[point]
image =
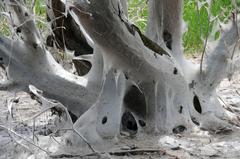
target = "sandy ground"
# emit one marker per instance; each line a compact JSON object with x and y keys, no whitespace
{"x":198,"y":144}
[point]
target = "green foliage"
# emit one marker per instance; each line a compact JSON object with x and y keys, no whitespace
{"x":138,"y":12}
{"x":4,"y":29}
{"x":40,"y":15}
{"x":221,"y":9}
{"x":198,"y":24}
{"x":202,"y":19}
{"x":40,"y":12}
{"x":40,"y":8}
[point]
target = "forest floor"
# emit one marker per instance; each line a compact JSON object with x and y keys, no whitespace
{"x":17,"y":108}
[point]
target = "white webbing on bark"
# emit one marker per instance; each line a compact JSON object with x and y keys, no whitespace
{"x":173,"y":89}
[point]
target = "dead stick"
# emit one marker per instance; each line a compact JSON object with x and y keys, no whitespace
{"x":13,"y":132}
{"x":116,"y":153}
{"x":136,"y":152}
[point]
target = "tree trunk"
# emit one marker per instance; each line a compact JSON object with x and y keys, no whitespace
{"x":148,"y":85}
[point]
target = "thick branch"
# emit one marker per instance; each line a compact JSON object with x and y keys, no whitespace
{"x":43,"y":71}
{"x":218,"y":62}
{"x":165,"y":24}
{"x":107,"y":29}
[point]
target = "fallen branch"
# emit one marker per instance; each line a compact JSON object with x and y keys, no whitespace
{"x":71,"y":156}
{"x":116,"y":153}
{"x":136,"y":152}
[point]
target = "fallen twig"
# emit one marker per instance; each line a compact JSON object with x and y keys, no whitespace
{"x":78,"y":156}
{"x":116,"y":153}
{"x":12,"y":132}
{"x":136,"y":152}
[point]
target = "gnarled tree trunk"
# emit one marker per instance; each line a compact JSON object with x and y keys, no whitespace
{"x":148,"y":85}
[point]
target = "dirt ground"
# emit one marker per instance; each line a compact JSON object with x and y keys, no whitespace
{"x":17,"y":108}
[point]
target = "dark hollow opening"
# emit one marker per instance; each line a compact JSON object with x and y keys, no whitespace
{"x":134,"y":101}
{"x":104,"y":120}
{"x":18,"y":30}
{"x":129,"y":123}
{"x":35,"y":45}
{"x":179,"y":129}
{"x":175,"y":71}
{"x":197,"y":105}
{"x":82,"y":66}
{"x":167,"y":37}
{"x":50,"y":41}
{"x":142,"y":123}
{"x":194,"y":120}
{"x":26,"y":14}
{"x":181,"y":109}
